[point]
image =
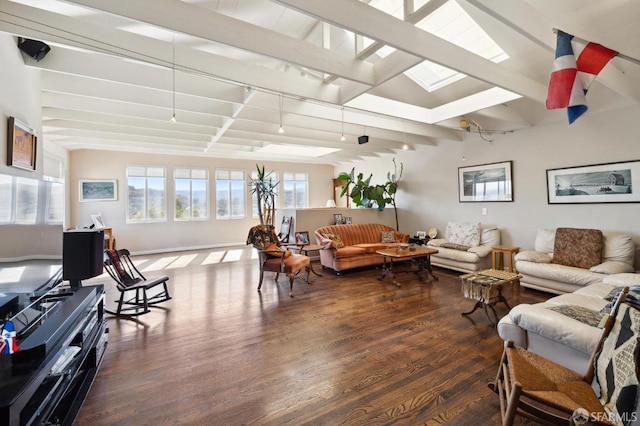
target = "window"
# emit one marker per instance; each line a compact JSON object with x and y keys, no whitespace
{"x":55,"y":200}
{"x":254,"y":197}
{"x":146,"y":200}
{"x":295,"y":190}
{"x":191,"y":193}
{"x":26,"y":201}
{"x":230,"y":194}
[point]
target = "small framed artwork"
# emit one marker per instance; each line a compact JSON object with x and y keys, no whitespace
{"x":486,"y":182}
{"x":421,"y":235}
{"x":21,"y":145}
{"x":337,"y":218}
{"x":97,"y":190}
{"x":347,"y":220}
{"x":595,"y":184}
{"x":97,"y":220}
{"x":302,"y":237}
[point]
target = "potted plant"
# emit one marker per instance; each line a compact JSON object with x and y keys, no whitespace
{"x":266,"y":190}
{"x":363,"y":194}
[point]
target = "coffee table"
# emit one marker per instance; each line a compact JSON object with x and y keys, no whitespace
{"x":421,"y":254}
{"x":486,"y":288}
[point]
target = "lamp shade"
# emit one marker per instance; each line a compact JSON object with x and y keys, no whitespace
{"x":330,"y":203}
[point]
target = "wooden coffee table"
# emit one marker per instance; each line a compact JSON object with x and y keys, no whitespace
{"x":486,"y":288}
{"x":421,"y":254}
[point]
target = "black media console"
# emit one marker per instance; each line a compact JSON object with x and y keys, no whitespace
{"x":62,"y":338}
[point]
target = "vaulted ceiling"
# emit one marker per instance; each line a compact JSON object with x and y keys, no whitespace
{"x":235,"y":71}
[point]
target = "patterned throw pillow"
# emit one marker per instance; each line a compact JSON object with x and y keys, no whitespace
{"x":467,"y":233}
{"x":337,"y":241}
{"x":388,"y":237}
{"x":579,"y":313}
{"x":581,"y":248}
{"x":455,"y":246}
{"x":276,"y":251}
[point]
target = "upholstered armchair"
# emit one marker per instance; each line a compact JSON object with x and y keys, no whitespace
{"x":274,"y":258}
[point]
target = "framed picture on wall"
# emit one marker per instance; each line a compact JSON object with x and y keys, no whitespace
{"x":97,"y":190}
{"x":21,"y":145}
{"x":486,"y":182}
{"x":337,"y":219}
{"x":594,"y":184}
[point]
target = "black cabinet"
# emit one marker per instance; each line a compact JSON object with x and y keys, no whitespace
{"x":47,"y":380}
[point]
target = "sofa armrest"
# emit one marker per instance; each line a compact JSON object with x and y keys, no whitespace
{"x":480,"y":251}
{"x":437,"y":242}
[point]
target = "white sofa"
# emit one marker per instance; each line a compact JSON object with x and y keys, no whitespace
{"x":555,"y":335}
{"x":466,"y":246}
{"x":541,"y":269}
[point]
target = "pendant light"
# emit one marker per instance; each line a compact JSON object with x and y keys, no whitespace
{"x":281,"y":129}
{"x":173,"y":117}
{"x":404,"y":135}
{"x":342,"y":138}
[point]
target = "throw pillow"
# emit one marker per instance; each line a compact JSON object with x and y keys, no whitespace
{"x":277,"y":251}
{"x":337,"y":241}
{"x":388,"y":237}
{"x":612,"y":267}
{"x":455,"y":246}
{"x":581,"y":248}
{"x":465,"y":233}
{"x":579,"y":313}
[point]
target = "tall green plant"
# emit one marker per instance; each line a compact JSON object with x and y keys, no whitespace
{"x":266,"y":190}
{"x":363,"y":194}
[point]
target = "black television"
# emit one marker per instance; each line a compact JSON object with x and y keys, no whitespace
{"x":82,"y":255}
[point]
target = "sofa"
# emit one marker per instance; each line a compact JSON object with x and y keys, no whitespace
{"x":466,"y":246}
{"x":355,"y":245}
{"x":567,"y":259}
{"x":564,"y":328}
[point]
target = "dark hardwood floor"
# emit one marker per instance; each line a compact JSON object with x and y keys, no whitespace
{"x":346,"y":350}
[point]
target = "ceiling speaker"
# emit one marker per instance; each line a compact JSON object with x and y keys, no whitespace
{"x":34,"y":48}
{"x":363,"y":139}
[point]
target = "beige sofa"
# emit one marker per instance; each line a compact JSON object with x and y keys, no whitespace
{"x":567,"y":259}
{"x":466,"y":246}
{"x":551,"y":328}
{"x":355,"y":245}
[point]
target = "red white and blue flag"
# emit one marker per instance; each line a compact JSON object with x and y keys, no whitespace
{"x":576,"y":65}
{"x":8,"y":343}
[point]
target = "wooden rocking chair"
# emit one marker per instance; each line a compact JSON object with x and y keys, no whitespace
{"x":137,"y":292}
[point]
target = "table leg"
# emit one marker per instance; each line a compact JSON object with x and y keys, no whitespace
{"x":388,"y":270}
{"x":306,"y":253}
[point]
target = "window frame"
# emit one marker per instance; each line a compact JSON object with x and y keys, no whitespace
{"x":146,"y":178}
{"x":191,"y":180}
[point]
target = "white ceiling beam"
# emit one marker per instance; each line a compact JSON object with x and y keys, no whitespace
{"x":360,"y":18}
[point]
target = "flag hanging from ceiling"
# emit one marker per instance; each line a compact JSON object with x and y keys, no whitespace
{"x":576,"y":65}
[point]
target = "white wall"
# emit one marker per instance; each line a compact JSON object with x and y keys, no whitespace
{"x":428,"y":195}
{"x":172,"y":235}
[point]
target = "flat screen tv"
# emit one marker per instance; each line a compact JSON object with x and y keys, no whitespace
{"x":82,"y":255}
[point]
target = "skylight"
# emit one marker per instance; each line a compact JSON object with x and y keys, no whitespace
{"x":449,"y":22}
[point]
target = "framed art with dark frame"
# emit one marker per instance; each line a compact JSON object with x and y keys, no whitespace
{"x":97,"y":190}
{"x":595,"y":184}
{"x":337,"y":219}
{"x":21,"y":145}
{"x":485,"y":182}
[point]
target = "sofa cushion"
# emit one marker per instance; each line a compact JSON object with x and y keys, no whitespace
{"x":566,"y":274}
{"x":466,"y":233}
{"x":619,"y":247}
{"x":581,"y":248}
{"x":612,"y":267}
{"x":455,"y":246}
{"x":533,"y":256}
{"x":349,"y":251}
{"x":622,"y":280}
{"x":388,"y":237}
{"x":545,"y":240}
{"x":371,"y":247}
{"x":490,"y":237}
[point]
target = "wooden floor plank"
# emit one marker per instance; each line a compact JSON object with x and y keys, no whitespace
{"x":346,"y":350}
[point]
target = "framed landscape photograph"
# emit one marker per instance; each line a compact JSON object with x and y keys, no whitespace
{"x":97,"y":190}
{"x":21,"y":145}
{"x":594,"y":184}
{"x":486,"y":182}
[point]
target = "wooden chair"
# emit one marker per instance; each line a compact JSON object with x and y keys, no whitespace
{"x":540,"y":389}
{"x":285,"y":229}
{"x":274,"y":258}
{"x":137,"y":292}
